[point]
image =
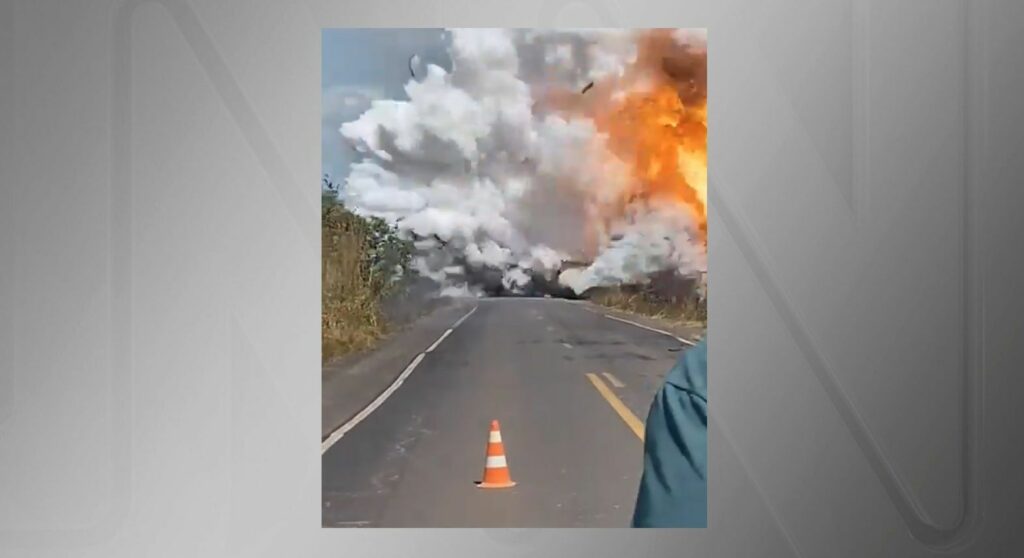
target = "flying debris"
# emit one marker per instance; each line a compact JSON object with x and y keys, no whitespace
{"x":587,"y":88}
{"x":414,"y":62}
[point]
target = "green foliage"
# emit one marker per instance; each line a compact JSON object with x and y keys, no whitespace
{"x":362,"y":260}
{"x":385,"y":255}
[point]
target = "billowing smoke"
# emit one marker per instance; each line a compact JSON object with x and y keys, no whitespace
{"x":510,"y":166}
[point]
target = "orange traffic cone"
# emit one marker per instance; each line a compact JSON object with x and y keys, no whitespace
{"x":496,"y":473}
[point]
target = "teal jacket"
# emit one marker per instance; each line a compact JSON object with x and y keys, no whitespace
{"x":673,"y":488}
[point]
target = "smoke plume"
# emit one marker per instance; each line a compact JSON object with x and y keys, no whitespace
{"x":577,"y":156}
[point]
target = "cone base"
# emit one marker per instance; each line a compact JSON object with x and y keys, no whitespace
{"x":508,"y":484}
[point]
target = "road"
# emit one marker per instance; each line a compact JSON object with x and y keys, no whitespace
{"x":570,"y":387}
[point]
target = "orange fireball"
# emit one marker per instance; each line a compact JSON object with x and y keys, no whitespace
{"x":657,"y":125}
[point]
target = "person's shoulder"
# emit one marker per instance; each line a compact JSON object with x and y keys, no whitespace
{"x":691,"y":370}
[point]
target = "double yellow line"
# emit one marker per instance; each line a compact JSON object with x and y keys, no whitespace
{"x":627,"y":416}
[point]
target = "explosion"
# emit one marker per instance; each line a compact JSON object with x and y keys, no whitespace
{"x":541,"y":147}
{"x":663,"y":142}
{"x":655,"y":119}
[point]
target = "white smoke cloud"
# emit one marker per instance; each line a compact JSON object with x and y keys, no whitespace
{"x":654,"y":240}
{"x":491,"y":186}
{"x":460,"y":291}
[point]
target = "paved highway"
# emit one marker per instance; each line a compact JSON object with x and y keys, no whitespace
{"x":570,"y":387}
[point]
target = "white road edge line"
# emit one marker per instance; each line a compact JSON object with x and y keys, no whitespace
{"x":438,"y":342}
{"x":566,"y":345}
{"x":354,"y":421}
{"x":343,"y":429}
{"x":462,"y":319}
{"x":648,"y":328}
{"x":613,"y":380}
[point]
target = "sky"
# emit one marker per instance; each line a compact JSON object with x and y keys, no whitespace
{"x":359,"y":66}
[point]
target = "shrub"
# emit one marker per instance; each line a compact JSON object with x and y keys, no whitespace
{"x":362,"y":260}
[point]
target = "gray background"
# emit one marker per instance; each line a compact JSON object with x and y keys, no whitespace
{"x":159,"y":278}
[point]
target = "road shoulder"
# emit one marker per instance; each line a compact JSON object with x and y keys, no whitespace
{"x":351,"y":382}
{"x":692,"y":333}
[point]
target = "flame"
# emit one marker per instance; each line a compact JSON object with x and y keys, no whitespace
{"x":652,"y":118}
{"x":656,"y":124}
{"x":664,"y":143}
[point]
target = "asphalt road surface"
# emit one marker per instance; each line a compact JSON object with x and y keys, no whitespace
{"x":570,"y":388}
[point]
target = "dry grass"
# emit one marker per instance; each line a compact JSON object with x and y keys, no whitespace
{"x":350,"y":315}
{"x":686,"y":311}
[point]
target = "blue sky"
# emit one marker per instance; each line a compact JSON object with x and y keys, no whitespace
{"x":360,"y":65}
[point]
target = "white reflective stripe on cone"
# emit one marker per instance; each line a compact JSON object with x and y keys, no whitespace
{"x":495,"y":436}
{"x":496,"y":461}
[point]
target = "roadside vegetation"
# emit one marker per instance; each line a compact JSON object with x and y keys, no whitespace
{"x":363,"y":261}
{"x":679,"y":310}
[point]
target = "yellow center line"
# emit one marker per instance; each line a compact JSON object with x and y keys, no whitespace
{"x":627,"y":416}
